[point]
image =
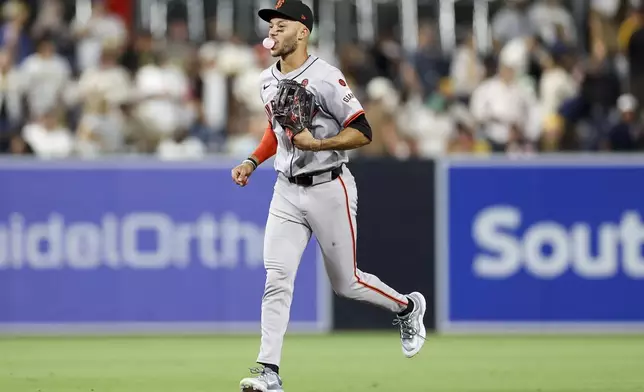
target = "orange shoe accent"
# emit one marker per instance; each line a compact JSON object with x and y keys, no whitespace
{"x":355,"y":260}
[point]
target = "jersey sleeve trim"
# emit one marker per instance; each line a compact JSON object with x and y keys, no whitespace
{"x":353,"y":117}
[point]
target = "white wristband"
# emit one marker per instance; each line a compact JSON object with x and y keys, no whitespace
{"x":251,"y":162}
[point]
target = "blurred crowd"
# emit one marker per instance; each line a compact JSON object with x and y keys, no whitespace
{"x":540,"y":88}
{"x":93,"y":87}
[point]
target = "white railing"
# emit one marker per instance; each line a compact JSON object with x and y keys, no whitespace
{"x":232,"y":16}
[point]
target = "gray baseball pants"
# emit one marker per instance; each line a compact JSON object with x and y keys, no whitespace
{"x":327,"y":210}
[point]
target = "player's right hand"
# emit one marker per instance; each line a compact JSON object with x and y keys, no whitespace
{"x":241,"y":173}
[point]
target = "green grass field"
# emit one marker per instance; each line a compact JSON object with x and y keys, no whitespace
{"x":350,"y":362}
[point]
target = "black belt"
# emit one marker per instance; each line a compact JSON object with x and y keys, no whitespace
{"x":320,"y":177}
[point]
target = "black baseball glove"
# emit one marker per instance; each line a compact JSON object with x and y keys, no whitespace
{"x":293,"y":107}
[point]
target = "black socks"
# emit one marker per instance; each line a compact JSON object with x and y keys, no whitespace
{"x":409,"y":309}
{"x":274,"y":368}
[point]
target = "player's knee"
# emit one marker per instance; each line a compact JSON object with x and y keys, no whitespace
{"x":346,"y":290}
{"x":278,"y":280}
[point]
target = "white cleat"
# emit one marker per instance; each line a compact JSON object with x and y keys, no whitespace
{"x":412,"y":329}
{"x":265,"y":381}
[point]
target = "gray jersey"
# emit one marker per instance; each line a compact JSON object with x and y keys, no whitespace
{"x":337,"y":106}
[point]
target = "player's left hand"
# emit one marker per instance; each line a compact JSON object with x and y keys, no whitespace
{"x":306,"y":142}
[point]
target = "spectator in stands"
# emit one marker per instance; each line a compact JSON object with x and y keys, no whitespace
{"x":178,"y":46}
{"x":139,"y":52}
{"x":93,"y":32}
{"x":599,"y":90}
{"x":46,"y":74}
{"x":100,"y":131}
{"x":182,"y":147}
{"x":387,"y":55}
{"x":510,"y":22}
{"x":13,"y":36}
{"x":501,"y":103}
{"x":381,"y":108}
{"x":467,"y":70}
{"x":241,"y":144}
{"x":529,"y":56}
{"x":215,"y":95}
{"x":138,"y":135}
{"x":428,"y":61}
{"x":409,"y":83}
{"x":48,"y":138}
{"x":50,"y":21}
{"x":245,"y":82}
{"x":542,"y":94}
{"x":161,"y":88}
{"x":12,"y":88}
{"x":108,"y":79}
{"x":549,"y":18}
{"x":194,"y":99}
{"x":430,"y":123}
{"x":627,"y":135}
{"x":552,"y":133}
{"x":518,"y":144}
{"x":632,"y":22}
{"x":602,"y":23}
{"x":635,"y":54}
{"x":465,"y":141}
{"x":18,"y":146}
{"x":358,"y":67}
{"x":245,"y":122}
{"x":557,"y":83}
{"x":249,"y":105}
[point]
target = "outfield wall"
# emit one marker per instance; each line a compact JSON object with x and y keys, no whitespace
{"x":540,"y":245}
{"x":140,"y":246}
{"x":126,"y":246}
{"x":395,"y":236}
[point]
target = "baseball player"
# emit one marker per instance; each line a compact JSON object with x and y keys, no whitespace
{"x":314,"y":118}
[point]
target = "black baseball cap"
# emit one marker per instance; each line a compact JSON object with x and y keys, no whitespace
{"x":289,"y":9}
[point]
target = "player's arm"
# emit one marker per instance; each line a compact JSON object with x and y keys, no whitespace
{"x":342,"y":104}
{"x":266,"y":149}
{"x":356,"y":133}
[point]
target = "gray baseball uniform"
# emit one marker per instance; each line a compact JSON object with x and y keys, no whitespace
{"x":327,"y":208}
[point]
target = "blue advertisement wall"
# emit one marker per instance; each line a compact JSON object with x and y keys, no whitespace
{"x":541,"y":244}
{"x":140,"y":246}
